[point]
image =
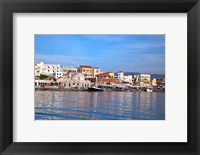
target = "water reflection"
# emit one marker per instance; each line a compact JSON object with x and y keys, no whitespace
{"x":83,"y":105}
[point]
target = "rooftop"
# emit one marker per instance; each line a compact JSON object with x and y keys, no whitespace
{"x":110,"y":80}
{"x":103,"y":74}
{"x":120,"y":72}
{"x":84,"y":66}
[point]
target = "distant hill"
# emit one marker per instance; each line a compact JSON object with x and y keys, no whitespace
{"x":158,"y":75}
{"x":152,"y":75}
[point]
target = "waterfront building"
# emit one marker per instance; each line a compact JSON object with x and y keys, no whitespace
{"x":107,"y":77}
{"x":161,"y":83}
{"x":37,"y":70}
{"x":69,"y":71}
{"x":121,"y":75}
{"x":58,"y":74}
{"x":96,"y":70}
{"x":128,"y":78}
{"x":87,"y":71}
{"x":92,"y":80}
{"x":125,"y":77}
{"x":47,"y":69}
{"x":77,"y":81}
{"x":43,"y":82}
{"x":111,"y":74}
{"x":143,"y":80}
{"x":109,"y":80}
{"x":154,"y":82}
{"x":104,"y":75}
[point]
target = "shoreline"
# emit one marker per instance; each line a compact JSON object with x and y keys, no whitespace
{"x":104,"y":90}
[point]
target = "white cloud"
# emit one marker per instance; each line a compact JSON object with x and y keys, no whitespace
{"x":60,"y":59}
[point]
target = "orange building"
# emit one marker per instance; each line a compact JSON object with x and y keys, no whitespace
{"x":105,"y":75}
{"x":109,"y":80}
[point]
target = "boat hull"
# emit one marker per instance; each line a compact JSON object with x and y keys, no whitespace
{"x":94,"y":89}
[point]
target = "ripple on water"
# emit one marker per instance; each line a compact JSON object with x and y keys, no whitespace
{"x":66,"y":105}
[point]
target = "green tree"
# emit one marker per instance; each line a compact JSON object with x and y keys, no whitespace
{"x":43,"y":76}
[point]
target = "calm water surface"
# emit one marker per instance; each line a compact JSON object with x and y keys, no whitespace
{"x":83,"y":105}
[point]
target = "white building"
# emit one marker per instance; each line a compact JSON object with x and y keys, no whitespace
{"x":121,"y":75}
{"x":58,"y":74}
{"x":77,"y":81}
{"x":143,"y":80}
{"x":69,"y":71}
{"x":44,"y":82}
{"x":96,"y":70}
{"x":47,"y":69}
{"x":128,"y":78}
{"x":124,"y":77}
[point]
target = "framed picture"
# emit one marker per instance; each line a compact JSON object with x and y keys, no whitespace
{"x":99,"y":77}
{"x":106,"y":92}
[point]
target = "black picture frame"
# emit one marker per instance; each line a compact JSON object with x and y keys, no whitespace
{"x":8,"y":7}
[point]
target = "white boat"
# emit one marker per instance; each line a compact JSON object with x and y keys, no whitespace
{"x":149,"y":90}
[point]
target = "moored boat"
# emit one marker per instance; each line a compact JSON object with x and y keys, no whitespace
{"x":149,"y":89}
{"x":94,"y":89}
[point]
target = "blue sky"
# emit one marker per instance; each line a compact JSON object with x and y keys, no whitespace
{"x":129,"y":53}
